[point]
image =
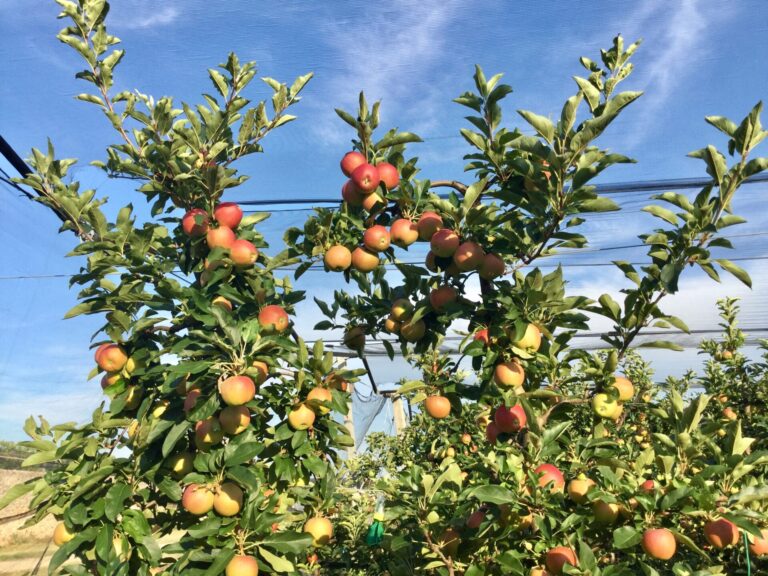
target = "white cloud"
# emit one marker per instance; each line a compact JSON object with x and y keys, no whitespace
{"x":146,"y":15}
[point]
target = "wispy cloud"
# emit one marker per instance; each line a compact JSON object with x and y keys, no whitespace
{"x":147,"y":15}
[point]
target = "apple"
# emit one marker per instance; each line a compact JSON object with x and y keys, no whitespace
{"x":111,"y":357}
{"x":228,"y":499}
{"x":531,"y":340}
{"x":228,"y":214}
{"x":363,"y":260}
{"x":321,"y":530}
{"x":61,"y":534}
{"x":242,"y":566}
{"x":437,"y":406}
{"x":301,"y":417}
{"x":441,"y":297}
{"x":659,"y":543}
{"x":243,"y":253}
{"x":351,"y":194}
{"x":190,"y":400}
{"x":430,"y":262}
{"x":197,"y":499}
{"x":320,"y":398}
{"x":235,"y":419}
{"x":730,"y":414}
{"x":475,"y":519}
{"x":354,"y":338}
{"x":648,"y":487}
{"x":208,"y":432}
{"x":509,"y":374}
{"x":109,"y":379}
{"x":401,"y":309}
{"x":468,"y":256}
{"x":181,"y":464}
{"x":262,"y":371}
{"x":721,"y":533}
{"x":429,"y":223}
{"x":466,"y":439}
{"x":492,"y":432}
{"x":222,"y":303}
{"x":273,"y":318}
{"x":558,"y":557}
{"x":413,"y":331}
{"x":338,"y":258}
{"x":579,"y":487}
{"x":391,"y":325}
{"x":237,"y":390}
{"x":550,"y":474}
{"x":195,"y":222}
{"x":373,"y":202}
{"x":366,"y":178}
{"x":604,"y":406}
{"x":511,"y":419}
{"x":444,"y":242}
{"x":403,"y":232}
{"x":491,"y":267}
{"x":539,"y":571}
{"x":350,"y":161}
{"x":376,"y":238}
{"x":221,"y":237}
{"x":758,"y":546}
{"x":605,"y":512}
{"x":388,"y":175}
{"x":482,"y":336}
{"x":625,"y":388}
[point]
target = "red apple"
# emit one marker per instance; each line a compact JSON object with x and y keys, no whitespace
{"x":221,"y":237}
{"x":550,"y":475}
{"x":350,"y":161}
{"x":228,"y":214}
{"x":492,"y":432}
{"x":510,"y":419}
{"x":376,"y":238}
{"x":482,"y":336}
{"x":559,"y":557}
{"x":243,"y":253}
{"x":441,"y":297}
{"x":197,"y":499}
{"x":444,"y":242}
{"x":491,"y":267}
{"x":468,"y":256}
{"x":388,"y":175}
{"x":721,"y":533}
{"x":403,"y":232}
{"x":237,"y":390}
{"x":364,"y":260}
{"x":428,"y":224}
{"x":659,"y":543}
{"x":195,"y":222}
{"x":366,"y":178}
{"x":351,"y":194}
{"x":273,"y":318}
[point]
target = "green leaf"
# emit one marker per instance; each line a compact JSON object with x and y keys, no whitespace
{"x":396,"y":140}
{"x":347,"y":117}
{"x":288,"y":542}
{"x":626,"y":537}
{"x":15,"y":493}
{"x":176,"y":433}
{"x":600,"y":204}
{"x":278,"y":563}
{"x":221,"y":559}
{"x":737,"y":271}
{"x":665,"y":344}
{"x":662,"y":213}
{"x":115,"y":499}
{"x":473,"y":194}
{"x":541,"y":124}
{"x":493,"y":494}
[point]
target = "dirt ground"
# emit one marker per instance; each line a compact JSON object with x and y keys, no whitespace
{"x":21,"y":548}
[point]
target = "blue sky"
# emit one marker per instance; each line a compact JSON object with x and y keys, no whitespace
{"x":698,"y":58}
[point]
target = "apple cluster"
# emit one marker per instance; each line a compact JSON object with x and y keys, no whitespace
{"x":219,"y":232}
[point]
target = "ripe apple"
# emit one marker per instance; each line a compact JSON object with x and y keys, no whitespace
{"x":190,"y":400}
{"x":338,"y":258}
{"x":366,"y":177}
{"x":228,"y":499}
{"x":625,"y":388}
{"x":237,"y":390}
{"x":604,"y":406}
{"x":403,"y":232}
{"x":373,"y":202}
{"x":195,"y":222}
{"x":510,"y":419}
{"x":208,"y":432}
{"x":301,"y":417}
{"x":242,"y":566}
{"x":320,"y":398}
{"x":466,"y":439}
{"x":550,"y":474}
{"x":437,"y":406}
{"x":228,"y":214}
{"x":531,"y":340}
{"x":648,"y":487}
{"x":388,"y":175}
{"x":273,"y":318}
{"x":262,"y":371}
{"x":482,"y":336}
{"x":429,"y":223}
{"x":509,"y":374}
{"x":376,"y":238}
{"x":235,"y":419}
{"x":441,"y":297}
{"x":492,"y":432}
{"x":539,"y":571}
{"x":491,"y":267}
{"x":350,"y":161}
{"x":579,"y":487}
{"x":721,"y":533}
{"x":659,"y":543}
{"x":243,"y":253}
{"x":222,"y":302}
{"x":391,"y":325}
{"x":321,"y":530}
{"x":363,"y":260}
{"x":449,"y":542}
{"x":605,"y":512}
{"x":730,"y":414}
{"x":758,"y":546}
{"x":444,"y":243}
{"x":181,"y":464}
{"x":111,"y":358}
{"x":413,"y":331}
{"x":558,"y":557}
{"x":468,"y":256}
{"x":351,"y":194}
{"x":402,"y":309}
{"x":221,"y":237}
{"x":354,"y":338}
{"x":475,"y":519}
{"x":197,"y":499}
{"x":61,"y":534}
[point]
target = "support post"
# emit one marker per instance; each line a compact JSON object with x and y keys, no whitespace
{"x":399,"y":413}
